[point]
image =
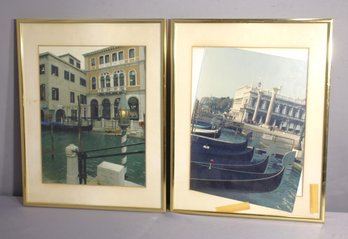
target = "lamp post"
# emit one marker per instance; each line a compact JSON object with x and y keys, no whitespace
{"x":123,"y":123}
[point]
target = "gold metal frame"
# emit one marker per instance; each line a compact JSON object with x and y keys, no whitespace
{"x":162,"y":128}
{"x":173,"y":96}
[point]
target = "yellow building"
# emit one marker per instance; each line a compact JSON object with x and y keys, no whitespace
{"x":110,"y":71}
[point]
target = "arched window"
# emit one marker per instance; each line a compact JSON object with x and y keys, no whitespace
{"x":133,"y":103}
{"x":107,"y":80}
{"x":94,"y":83}
{"x":102,"y":82}
{"x":132,"y":78}
{"x":116,"y":80}
{"x":121,"y":79}
{"x":131,"y":53}
{"x":94,"y":109}
{"x":106,"y":109}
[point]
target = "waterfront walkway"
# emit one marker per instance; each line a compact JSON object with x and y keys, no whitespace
{"x":273,"y":132}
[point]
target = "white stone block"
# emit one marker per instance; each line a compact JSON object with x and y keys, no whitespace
{"x":111,"y":174}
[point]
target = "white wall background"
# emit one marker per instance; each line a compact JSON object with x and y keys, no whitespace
{"x":10,"y":163}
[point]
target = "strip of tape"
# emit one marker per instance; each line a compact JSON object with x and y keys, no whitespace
{"x":314,"y":198}
{"x":234,"y":207}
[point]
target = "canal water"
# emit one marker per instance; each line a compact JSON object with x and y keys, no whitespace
{"x":283,"y":198}
{"x":54,"y":169}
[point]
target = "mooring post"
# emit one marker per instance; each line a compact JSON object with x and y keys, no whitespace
{"x":72,"y":164}
{"x":124,"y":149}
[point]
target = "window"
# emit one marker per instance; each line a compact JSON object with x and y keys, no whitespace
{"x":82,"y":82}
{"x":71,"y":61}
{"x":66,"y":75}
{"x":101,"y":60}
{"x":131,"y":53}
{"x":42,"y":92}
{"x":72,"y":97}
{"x":102,"y":82}
{"x":115,"y":80}
{"x":107,"y":59}
{"x":121,"y":79}
{"x":107,"y":81}
{"x":94,"y":83}
{"x":83,"y":99}
{"x":120,"y":55}
{"x":92,"y":61}
{"x":54,"y":70}
{"x":55,"y":93}
{"x":78,"y":65}
{"x":132,"y":78}
{"x":72,"y":77}
{"x":114,"y":57}
{"x":42,"y":69}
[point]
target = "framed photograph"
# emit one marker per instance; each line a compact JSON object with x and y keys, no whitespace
{"x":249,"y":117}
{"x":92,"y":133}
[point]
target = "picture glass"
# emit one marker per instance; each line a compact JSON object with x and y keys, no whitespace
{"x":248,"y":123}
{"x":92,"y":106}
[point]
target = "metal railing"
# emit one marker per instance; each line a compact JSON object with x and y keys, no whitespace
{"x":84,"y":155}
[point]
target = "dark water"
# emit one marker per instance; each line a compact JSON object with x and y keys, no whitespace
{"x":54,"y":170}
{"x":283,"y":198}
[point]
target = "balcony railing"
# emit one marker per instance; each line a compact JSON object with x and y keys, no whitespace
{"x":111,"y":90}
{"x":119,"y":62}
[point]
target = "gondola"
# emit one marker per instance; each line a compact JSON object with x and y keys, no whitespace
{"x":205,"y":176}
{"x":211,"y":147}
{"x":198,"y":126}
{"x":213,"y":144}
{"x":65,"y":127}
{"x":211,"y":133}
{"x":258,"y":167}
{"x":204,"y":153}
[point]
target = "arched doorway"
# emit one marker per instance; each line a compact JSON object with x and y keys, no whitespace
{"x":106,"y":109}
{"x":94,"y":109}
{"x":133,"y":103}
{"x":60,"y":115}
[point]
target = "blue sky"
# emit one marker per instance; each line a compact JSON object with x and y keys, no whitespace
{"x":220,"y":71}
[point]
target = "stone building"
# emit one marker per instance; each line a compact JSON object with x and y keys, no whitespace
{"x":110,"y":71}
{"x":61,"y":83}
{"x":268,"y":108}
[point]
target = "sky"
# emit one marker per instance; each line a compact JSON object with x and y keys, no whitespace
{"x":220,"y":71}
{"x":76,"y":51}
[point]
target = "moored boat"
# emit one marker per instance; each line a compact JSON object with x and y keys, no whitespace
{"x":57,"y":126}
{"x":211,"y":133}
{"x":219,"y":143}
{"x":207,"y":176}
{"x":204,"y":153}
{"x":212,"y":147}
{"x":258,"y":167}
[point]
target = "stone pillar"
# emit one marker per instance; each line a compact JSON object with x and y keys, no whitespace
{"x":270,"y":107}
{"x":72,"y":170}
{"x":257,"y":105}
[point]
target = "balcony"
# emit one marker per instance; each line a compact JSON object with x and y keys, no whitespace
{"x":111,"y":90}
